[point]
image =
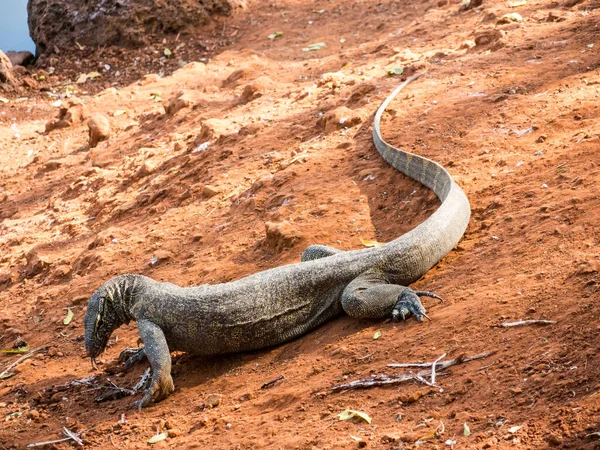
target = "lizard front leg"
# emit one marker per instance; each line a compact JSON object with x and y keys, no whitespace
{"x":157,"y":351}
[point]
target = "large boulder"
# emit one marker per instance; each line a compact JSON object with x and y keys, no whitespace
{"x":60,"y":23}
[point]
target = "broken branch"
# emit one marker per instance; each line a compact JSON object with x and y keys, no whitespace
{"x":383,"y":380}
{"x":524,"y":322}
{"x":433,"y":368}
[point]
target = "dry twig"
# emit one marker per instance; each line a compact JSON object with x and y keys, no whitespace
{"x":524,"y":322}
{"x":433,"y":368}
{"x":382,"y":380}
{"x":21,"y":359}
{"x":70,"y":437}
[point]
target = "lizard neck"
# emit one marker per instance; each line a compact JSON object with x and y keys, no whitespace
{"x":124,"y":291}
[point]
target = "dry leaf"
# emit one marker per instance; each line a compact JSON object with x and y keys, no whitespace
{"x":370,"y":243}
{"x":67,"y":320}
{"x":466,"y":430}
{"x":313,"y":47}
{"x":157,"y":438}
{"x":350,"y":413}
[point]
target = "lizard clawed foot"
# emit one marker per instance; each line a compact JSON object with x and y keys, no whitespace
{"x":409,"y":303}
{"x":160,"y":388}
{"x":131,"y":356}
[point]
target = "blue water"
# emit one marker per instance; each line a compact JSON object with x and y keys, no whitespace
{"x":14,"y":32}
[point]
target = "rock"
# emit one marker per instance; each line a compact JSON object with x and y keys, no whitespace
{"x":145,"y":169}
{"x":490,"y":37}
{"x":72,"y":112}
{"x":62,"y":271}
{"x":173,"y":432}
{"x":410,"y":398}
{"x":181,"y":100}
{"x":280,"y":236}
{"x":214,"y":400}
{"x":6,"y":75}
{"x":471,"y":5}
{"x":233,"y":78}
{"x":160,"y":256}
{"x":106,"y":237}
{"x":35,"y":264}
{"x":23,"y":58}
{"x":52,"y":352}
{"x":99,"y":129}
{"x":250,"y":129}
{"x":33,"y":414}
{"x":57,"y":24}
{"x":212,"y":129}
{"x":339,"y":118}
{"x":210,"y":191}
{"x":103,"y":160}
{"x":254,"y":90}
{"x":554,"y":440}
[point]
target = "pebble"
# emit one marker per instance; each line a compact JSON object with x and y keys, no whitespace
{"x":33,"y":414}
{"x":214,"y":400}
{"x":99,"y":129}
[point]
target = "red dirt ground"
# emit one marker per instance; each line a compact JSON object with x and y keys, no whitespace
{"x":516,"y":122}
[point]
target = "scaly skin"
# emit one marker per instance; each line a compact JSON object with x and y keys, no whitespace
{"x":279,"y":304}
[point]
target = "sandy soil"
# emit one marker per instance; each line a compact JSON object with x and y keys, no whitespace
{"x":516,"y":122}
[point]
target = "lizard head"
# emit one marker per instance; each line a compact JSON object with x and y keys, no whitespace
{"x":101,"y":319}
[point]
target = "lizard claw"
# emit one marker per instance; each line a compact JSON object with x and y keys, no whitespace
{"x":159,"y":389}
{"x":131,"y":356}
{"x":409,"y":303}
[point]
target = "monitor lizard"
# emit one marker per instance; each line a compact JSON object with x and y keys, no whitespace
{"x":280,"y":304}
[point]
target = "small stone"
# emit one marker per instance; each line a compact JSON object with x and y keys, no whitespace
{"x":3,"y":405}
{"x":23,"y":58}
{"x":492,"y":37}
{"x":52,"y":352}
{"x":144,"y":170}
{"x":33,"y":414}
{"x":339,"y":118}
{"x":210,"y":191}
{"x":181,"y":100}
{"x":214,"y":400}
{"x":99,"y":129}
{"x":541,"y":138}
{"x":410,"y":398}
{"x":173,"y":432}
{"x":160,"y":256}
{"x":554,"y":441}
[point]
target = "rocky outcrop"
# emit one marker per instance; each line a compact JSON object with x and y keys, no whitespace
{"x":56,"y":24}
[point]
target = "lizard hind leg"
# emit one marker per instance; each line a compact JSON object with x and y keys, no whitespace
{"x":317,"y":251}
{"x":372,"y":296}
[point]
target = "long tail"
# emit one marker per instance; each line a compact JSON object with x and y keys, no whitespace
{"x":421,"y":248}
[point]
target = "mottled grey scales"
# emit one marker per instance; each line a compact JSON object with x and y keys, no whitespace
{"x":280,"y":304}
